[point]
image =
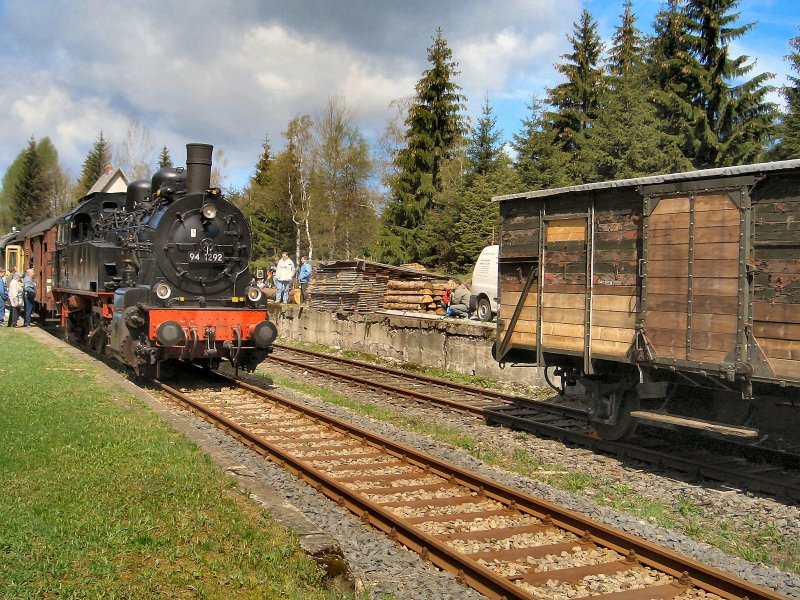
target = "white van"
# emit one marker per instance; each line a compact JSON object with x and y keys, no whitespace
{"x":484,"y":284}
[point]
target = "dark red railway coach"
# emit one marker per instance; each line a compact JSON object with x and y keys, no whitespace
{"x":639,"y":289}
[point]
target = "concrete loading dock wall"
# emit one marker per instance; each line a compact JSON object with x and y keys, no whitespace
{"x":460,"y":346}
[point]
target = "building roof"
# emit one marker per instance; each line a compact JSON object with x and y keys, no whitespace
{"x":783,"y":165}
{"x":113,"y":180}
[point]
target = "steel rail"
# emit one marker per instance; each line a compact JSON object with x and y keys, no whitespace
{"x":385,"y":387}
{"x":729,"y":472}
{"x":479,"y":577}
{"x":476,"y":576}
{"x":472,"y":389}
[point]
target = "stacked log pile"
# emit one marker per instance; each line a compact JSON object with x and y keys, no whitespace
{"x":361,"y":285}
{"x":423,"y":295}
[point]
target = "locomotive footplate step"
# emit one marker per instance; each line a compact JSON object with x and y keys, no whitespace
{"x":710,"y":426}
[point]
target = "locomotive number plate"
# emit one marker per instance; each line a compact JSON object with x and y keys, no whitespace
{"x":206,"y":253}
{"x":206,"y":257}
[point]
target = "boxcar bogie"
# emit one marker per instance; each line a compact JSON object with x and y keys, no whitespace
{"x":672,"y":298}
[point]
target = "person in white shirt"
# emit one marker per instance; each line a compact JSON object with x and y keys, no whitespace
{"x":283,"y":277}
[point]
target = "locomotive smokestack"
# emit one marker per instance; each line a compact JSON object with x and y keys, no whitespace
{"x":198,"y":167}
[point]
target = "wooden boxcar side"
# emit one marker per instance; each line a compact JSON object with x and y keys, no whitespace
{"x":567,"y":243}
{"x":775,"y":270}
{"x":690,"y":278}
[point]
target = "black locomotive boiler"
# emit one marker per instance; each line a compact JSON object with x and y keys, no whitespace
{"x":160,"y":273}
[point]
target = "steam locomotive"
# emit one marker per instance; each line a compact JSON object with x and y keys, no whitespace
{"x":155,"y":274}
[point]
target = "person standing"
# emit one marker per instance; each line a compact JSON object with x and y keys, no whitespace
{"x":10,"y":275}
{"x":271,"y":273}
{"x":304,"y":277}
{"x":28,"y":296}
{"x":15,"y":299}
{"x":3,"y":295}
{"x":284,"y":272}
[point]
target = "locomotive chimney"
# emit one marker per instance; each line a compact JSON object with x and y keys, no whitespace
{"x":198,"y":167}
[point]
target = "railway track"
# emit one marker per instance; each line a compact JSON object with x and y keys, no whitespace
{"x":751,"y":467}
{"x":501,"y":542}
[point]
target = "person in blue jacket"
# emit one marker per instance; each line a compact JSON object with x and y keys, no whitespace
{"x":3,"y":295}
{"x":304,"y":277}
{"x":28,"y":295}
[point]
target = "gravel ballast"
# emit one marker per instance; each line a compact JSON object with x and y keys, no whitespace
{"x":718,"y":501}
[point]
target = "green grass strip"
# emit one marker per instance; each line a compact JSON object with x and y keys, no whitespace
{"x":101,"y":499}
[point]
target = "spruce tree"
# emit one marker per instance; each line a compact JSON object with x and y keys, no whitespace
{"x":262,"y":176}
{"x":9,"y":190}
{"x":541,"y":163}
{"x":483,"y":148}
{"x":56,"y":183}
{"x":576,"y":100}
{"x":627,"y":51}
{"x":434,"y":129}
{"x":466,"y":218}
{"x":29,"y":203}
{"x":626,"y":139}
{"x":666,"y":83}
{"x":164,"y":159}
{"x":723,"y":122}
{"x":478,"y":220}
{"x":269,"y":218}
{"x":98,"y":159}
{"x":789,"y":143}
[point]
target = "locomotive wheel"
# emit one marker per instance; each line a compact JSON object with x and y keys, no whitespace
{"x":73,"y":330}
{"x":625,"y":424}
{"x":99,"y":340}
{"x":128,"y":347}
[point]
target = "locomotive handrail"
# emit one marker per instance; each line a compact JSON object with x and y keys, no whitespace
{"x":81,"y":292}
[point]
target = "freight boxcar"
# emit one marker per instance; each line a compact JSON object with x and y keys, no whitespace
{"x":641,"y":288}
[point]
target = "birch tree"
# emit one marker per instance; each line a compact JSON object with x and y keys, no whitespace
{"x":344,"y":169}
{"x":133,"y":154}
{"x":300,"y":154}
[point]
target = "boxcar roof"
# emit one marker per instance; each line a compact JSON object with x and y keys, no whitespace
{"x":783,"y":165}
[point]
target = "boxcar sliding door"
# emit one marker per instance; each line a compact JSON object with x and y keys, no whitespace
{"x":694,"y":292}
{"x":565,"y":301}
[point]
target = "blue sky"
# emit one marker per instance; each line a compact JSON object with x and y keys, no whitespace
{"x":227,"y":72}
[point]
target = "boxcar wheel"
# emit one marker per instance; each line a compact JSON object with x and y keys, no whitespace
{"x":625,"y":424}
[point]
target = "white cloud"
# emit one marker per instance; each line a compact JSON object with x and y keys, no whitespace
{"x":226,"y":73}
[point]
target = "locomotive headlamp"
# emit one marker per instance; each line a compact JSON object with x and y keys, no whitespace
{"x":253,"y":294}
{"x":209,"y":210}
{"x":162,"y":290}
